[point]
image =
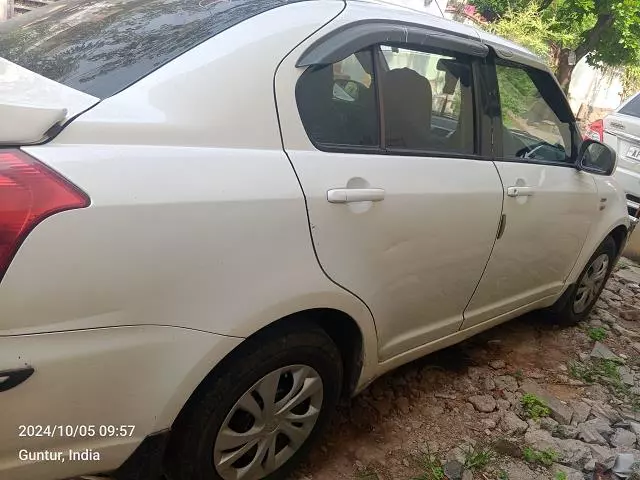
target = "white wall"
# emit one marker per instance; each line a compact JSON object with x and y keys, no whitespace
{"x":6,"y":9}
{"x":429,"y":6}
{"x":594,"y":87}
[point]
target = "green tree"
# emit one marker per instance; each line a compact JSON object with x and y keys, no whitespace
{"x":495,"y":9}
{"x":529,"y":28}
{"x":606,"y":32}
{"x":609,"y":36}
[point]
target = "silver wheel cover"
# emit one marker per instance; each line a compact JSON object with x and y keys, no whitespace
{"x":268,"y":423}
{"x":591,"y":283}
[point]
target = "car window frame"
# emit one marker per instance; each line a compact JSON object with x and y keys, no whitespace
{"x":335,"y":147}
{"x":483,"y":149}
{"x":561,"y":103}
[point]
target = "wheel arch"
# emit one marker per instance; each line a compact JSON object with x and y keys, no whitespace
{"x":619,"y":235}
{"x":314,"y":323}
{"x":618,"y":231}
{"x":338,"y":325}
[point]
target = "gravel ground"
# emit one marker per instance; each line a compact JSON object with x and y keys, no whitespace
{"x":525,"y":400}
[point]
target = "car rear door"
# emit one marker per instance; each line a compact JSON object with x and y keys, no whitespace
{"x":549,"y":205}
{"x":403,"y":206}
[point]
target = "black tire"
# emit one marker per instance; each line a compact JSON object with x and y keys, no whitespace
{"x":190,"y":451}
{"x":563,"y":311}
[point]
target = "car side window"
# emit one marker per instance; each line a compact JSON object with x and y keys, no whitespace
{"x":337,"y":103}
{"x":532,"y":128}
{"x":428,"y":101}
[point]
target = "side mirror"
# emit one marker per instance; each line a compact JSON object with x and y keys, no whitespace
{"x":596,"y":157}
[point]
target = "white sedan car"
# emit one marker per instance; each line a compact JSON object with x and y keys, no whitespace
{"x":219,"y":217}
{"x":621,"y":131}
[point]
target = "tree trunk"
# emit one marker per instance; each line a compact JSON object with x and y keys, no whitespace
{"x":592,"y":37}
{"x":564,"y":69}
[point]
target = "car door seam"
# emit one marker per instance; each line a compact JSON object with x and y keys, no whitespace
{"x":491,"y":80}
{"x":304,"y":196}
{"x":490,"y":253}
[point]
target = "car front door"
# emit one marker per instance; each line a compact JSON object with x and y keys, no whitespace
{"x":403,"y":209}
{"x":548,"y":204}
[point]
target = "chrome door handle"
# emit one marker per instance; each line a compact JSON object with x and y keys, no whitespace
{"x":520,"y":191}
{"x":348,"y":195}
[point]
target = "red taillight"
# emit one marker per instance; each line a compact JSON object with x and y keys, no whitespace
{"x":595,"y":131}
{"x":29,"y":193}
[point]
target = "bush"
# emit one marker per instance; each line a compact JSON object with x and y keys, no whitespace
{"x":534,"y":407}
{"x":597,"y":334}
{"x":544,"y":457}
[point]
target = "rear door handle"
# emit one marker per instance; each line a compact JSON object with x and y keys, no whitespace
{"x":348,"y":195}
{"x":13,"y":378}
{"x":520,"y":191}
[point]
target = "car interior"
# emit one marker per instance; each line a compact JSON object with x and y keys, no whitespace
{"x":341,"y":110}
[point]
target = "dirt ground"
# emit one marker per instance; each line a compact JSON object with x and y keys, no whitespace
{"x":408,"y":423}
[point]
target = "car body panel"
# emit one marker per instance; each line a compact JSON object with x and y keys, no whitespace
{"x":167,"y":201}
{"x":543,"y":236}
{"x":407,"y":257}
{"x":611,"y":201}
{"x":139,"y":376}
{"x":182,"y":176}
{"x":462,"y":334}
{"x":137,"y":259}
{"x":188,"y":102}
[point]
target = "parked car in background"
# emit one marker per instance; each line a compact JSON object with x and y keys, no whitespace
{"x":621,"y":131}
{"x":217,"y":218}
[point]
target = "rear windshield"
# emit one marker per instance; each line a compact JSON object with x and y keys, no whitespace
{"x":102,"y":46}
{"x":633,"y":107}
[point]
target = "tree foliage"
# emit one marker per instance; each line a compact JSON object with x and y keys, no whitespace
{"x":529,"y":28}
{"x":606,"y":32}
{"x":494,"y":9}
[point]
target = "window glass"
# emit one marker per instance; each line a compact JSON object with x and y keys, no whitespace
{"x":633,"y":107}
{"x":531,"y":127}
{"x":337,"y":102}
{"x":428,"y":102}
{"x":102,"y":46}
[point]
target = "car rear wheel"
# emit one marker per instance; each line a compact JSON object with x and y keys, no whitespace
{"x":258,"y":417}
{"x":576,"y":304}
